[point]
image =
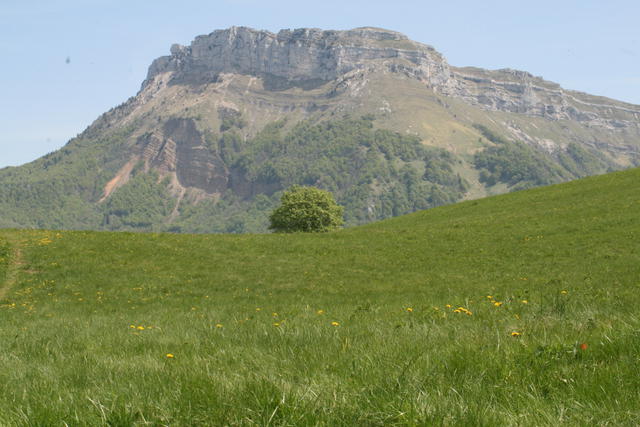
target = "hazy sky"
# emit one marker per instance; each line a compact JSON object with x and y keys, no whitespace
{"x":65,"y":62}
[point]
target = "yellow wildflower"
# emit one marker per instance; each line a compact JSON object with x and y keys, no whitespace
{"x":335,"y":324}
{"x":524,"y":301}
{"x":410,"y":310}
{"x":564,"y":292}
{"x":448,"y":305}
{"x":515,"y":334}
{"x":276,"y":324}
{"x":497,"y":304}
{"x":258,"y":309}
{"x":320,"y":311}
{"x":274,"y":314}
{"x":170,"y":356}
{"x":140,"y":328}
{"x":218,"y":325}
{"x":490,"y":296}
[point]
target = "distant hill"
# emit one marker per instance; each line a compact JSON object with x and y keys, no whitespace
{"x":219,"y":128}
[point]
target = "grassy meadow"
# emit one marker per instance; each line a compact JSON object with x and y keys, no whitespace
{"x":519,"y":309}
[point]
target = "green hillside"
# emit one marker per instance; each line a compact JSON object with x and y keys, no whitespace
{"x":517,"y":309}
{"x":374,"y":173}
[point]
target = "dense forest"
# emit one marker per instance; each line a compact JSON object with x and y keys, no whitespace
{"x":374,"y":173}
{"x":522,"y":166}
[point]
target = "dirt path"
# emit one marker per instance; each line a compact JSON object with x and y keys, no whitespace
{"x":16,"y":261}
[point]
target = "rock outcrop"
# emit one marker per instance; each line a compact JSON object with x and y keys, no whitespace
{"x":520,"y":92}
{"x":180,"y":148}
{"x":310,"y":57}
{"x":302,"y":55}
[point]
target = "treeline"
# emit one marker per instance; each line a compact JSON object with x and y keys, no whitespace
{"x":374,"y":173}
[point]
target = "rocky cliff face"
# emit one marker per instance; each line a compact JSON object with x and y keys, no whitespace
{"x":310,"y":57}
{"x":302,"y":55}
{"x":180,"y":148}
{"x":520,"y":92}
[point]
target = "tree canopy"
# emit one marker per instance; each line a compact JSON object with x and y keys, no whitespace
{"x":306,"y":209}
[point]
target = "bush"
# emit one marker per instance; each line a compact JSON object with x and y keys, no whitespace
{"x":306,"y":209}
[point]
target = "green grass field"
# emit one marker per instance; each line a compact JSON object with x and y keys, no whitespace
{"x":520,"y":309}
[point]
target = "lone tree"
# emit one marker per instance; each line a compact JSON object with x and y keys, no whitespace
{"x":306,"y":209}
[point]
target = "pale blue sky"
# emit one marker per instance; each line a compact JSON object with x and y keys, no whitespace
{"x":587,"y":45}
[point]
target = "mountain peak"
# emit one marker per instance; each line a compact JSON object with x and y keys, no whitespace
{"x":303,"y":54}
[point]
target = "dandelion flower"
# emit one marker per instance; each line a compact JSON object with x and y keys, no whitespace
{"x":170,"y":356}
{"x":448,"y":305}
{"x":218,"y":325}
{"x":564,"y":292}
{"x":497,"y":304}
{"x":490,"y":296}
{"x":410,"y":310}
{"x":335,"y":324}
{"x":140,"y":328}
{"x":132,"y":326}
{"x":320,"y":311}
{"x":515,"y":334}
{"x":524,"y":301}
{"x":258,"y":309}
{"x":276,"y":324}
{"x":274,"y":314}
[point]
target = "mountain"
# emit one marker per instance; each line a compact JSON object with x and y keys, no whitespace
{"x":219,"y":128}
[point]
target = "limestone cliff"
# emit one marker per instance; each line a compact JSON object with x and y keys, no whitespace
{"x":310,"y":57}
{"x":302,"y":56}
